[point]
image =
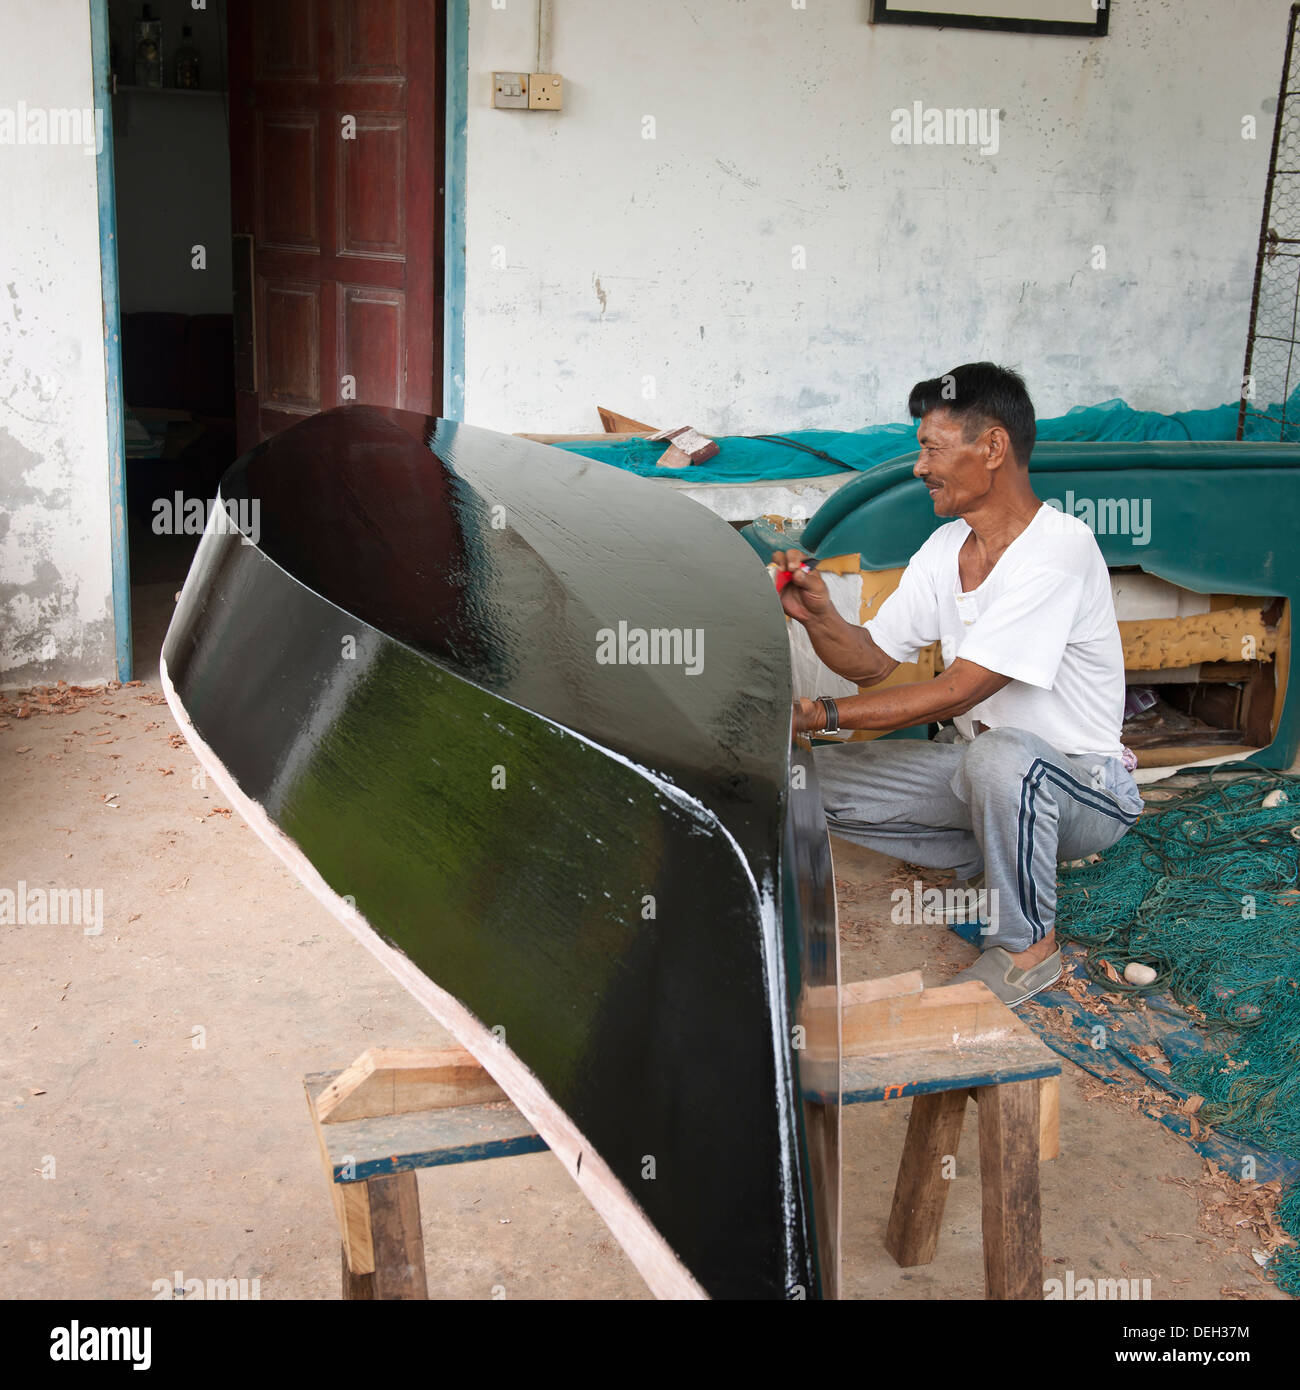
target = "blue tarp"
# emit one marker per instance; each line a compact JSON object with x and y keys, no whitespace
{"x":747,"y":459}
{"x":1131,"y":1036}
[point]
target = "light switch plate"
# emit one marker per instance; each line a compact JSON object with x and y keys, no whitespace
{"x":510,"y":90}
{"x":545,"y":91}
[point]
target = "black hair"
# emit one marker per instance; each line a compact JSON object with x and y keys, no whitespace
{"x":981,"y":391}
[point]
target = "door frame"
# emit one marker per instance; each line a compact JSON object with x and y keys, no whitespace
{"x":112,"y":318}
{"x":453,"y":296}
{"x":454,"y":257}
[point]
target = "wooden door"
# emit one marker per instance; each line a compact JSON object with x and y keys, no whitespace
{"x":336,"y":112}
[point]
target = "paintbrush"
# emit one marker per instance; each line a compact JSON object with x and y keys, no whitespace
{"x":783,"y":577}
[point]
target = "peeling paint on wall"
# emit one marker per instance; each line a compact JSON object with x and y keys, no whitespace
{"x":56,"y":609}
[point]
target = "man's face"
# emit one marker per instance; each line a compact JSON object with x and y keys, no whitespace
{"x":955,"y":470}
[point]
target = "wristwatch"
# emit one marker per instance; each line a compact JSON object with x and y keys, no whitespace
{"x":832,"y":725}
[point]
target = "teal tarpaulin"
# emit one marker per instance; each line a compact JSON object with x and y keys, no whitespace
{"x":815,"y":453}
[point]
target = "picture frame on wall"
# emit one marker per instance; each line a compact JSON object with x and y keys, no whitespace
{"x":1080,"y":18}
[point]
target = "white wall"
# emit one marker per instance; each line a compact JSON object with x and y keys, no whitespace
{"x":671,"y":257}
{"x":56,"y":608}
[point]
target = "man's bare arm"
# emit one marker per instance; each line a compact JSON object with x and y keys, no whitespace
{"x":843,"y":646}
{"x":955,"y":690}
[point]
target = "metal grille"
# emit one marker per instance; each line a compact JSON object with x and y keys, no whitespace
{"x":1272,"y":368}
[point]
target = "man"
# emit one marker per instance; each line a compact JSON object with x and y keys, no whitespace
{"x":1019,"y":598}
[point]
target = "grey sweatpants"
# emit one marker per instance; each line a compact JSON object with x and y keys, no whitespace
{"x":1005,"y":802}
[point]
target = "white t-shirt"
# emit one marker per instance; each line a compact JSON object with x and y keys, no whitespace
{"x":1044,"y":616}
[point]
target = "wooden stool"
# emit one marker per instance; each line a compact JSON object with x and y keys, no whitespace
{"x":940,"y":1046}
{"x":396,"y":1110}
{"x":393,"y":1111}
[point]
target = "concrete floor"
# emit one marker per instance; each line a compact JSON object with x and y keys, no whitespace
{"x":131,"y":1153}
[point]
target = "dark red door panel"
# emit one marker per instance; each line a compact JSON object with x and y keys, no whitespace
{"x":336,"y":167}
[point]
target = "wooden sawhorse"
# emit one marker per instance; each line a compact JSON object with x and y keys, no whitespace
{"x":941,"y":1046}
{"x":396,"y":1110}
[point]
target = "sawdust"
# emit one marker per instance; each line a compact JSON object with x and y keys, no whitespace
{"x":866,"y":924}
{"x":1238,"y":1218}
{"x":1139,"y":1100}
{"x":1147,"y":1099}
{"x":1076,"y":986}
{"x":1240,"y":1215}
{"x":900,"y":876}
{"x":904,"y":875}
{"x":64,"y":698}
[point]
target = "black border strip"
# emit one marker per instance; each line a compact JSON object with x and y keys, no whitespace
{"x":881,"y":13}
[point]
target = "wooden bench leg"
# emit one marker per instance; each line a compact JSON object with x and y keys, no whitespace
{"x":393,"y":1217}
{"x":1049,"y":1118}
{"x":1012,"y":1215}
{"x":933,"y":1132}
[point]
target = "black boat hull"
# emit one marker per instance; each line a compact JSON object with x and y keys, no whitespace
{"x":594,"y":875}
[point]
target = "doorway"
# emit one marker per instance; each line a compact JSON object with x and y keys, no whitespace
{"x":278,"y":173}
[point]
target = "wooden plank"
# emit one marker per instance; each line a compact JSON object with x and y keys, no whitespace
{"x":924,"y":1172}
{"x":1049,"y":1110}
{"x":1228,"y":670}
{"x":581,"y":438}
{"x":893,"y":1076}
{"x":399,"y":1274}
{"x":887,"y":987}
{"x":1283,"y":663}
{"x":1223,"y":736}
{"x":614,"y":423}
{"x":362,"y":1149}
{"x":1011,"y":1214}
{"x":865,"y":991}
{"x":400,"y":1080}
{"x":1176,"y":755}
{"x":1049,"y":1119}
{"x":1257,"y":696}
{"x":958,"y":1015}
{"x":351,"y":1206}
{"x":356,"y":1287}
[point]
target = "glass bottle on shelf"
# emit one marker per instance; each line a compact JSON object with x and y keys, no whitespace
{"x":148,"y":50}
{"x":187,"y":62}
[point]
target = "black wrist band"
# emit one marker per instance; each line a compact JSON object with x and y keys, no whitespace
{"x":832,"y":725}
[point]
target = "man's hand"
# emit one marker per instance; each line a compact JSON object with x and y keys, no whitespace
{"x":845,"y":647}
{"x":805,"y":598}
{"x":809,"y":716}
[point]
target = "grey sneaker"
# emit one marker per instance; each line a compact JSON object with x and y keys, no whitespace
{"x":1006,"y":979}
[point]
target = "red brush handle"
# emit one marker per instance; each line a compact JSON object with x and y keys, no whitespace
{"x":783,"y":577}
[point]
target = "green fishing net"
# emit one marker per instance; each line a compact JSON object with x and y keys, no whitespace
{"x":1204,"y":888}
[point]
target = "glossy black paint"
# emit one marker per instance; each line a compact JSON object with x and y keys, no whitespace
{"x":599,"y":858}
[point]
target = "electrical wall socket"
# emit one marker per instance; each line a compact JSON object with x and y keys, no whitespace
{"x":510,"y":90}
{"x":545,"y":91}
